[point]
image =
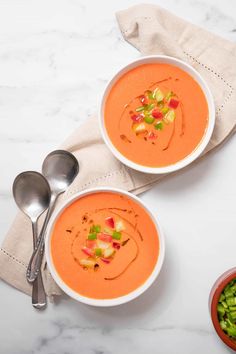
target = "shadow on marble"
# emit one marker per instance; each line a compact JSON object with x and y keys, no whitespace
{"x":188,"y":178}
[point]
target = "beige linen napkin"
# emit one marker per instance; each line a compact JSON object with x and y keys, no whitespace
{"x":152,"y":30}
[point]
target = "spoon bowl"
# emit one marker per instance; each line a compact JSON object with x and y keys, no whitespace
{"x":60,"y":168}
{"x":32,"y":193}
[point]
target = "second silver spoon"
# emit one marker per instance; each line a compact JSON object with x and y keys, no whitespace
{"x":60,"y":168}
{"x":31,"y":192}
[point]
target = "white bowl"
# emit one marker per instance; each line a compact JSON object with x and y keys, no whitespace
{"x":211,"y":108}
{"x":100,"y":302}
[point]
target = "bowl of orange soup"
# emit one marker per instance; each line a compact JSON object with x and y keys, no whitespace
{"x":104,"y":247}
{"x":157,"y":114}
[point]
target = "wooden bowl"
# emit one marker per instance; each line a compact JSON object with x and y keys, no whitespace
{"x":216,"y":290}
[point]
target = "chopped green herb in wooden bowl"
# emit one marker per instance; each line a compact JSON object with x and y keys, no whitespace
{"x":226,"y":309}
{"x":222,"y":304}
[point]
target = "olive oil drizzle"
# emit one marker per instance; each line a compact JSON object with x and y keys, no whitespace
{"x":183,"y":119}
{"x":171,"y":137}
{"x":129,"y":264}
{"x":134,"y":226}
{"x":127,"y":105}
{"x":126,"y":139}
{"x":72,"y":246}
{"x":128,"y":222}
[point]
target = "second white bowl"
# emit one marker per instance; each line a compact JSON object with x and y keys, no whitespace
{"x":103,"y":302}
{"x":211,"y":109}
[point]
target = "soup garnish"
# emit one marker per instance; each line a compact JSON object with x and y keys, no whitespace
{"x":101,"y":245}
{"x":226,"y":309}
{"x":157,"y":109}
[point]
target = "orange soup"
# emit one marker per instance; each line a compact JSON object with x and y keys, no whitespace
{"x":104,"y":245}
{"x":156,"y":115}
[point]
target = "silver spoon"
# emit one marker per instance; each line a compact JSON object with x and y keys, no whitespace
{"x":60,"y":168}
{"x":31,"y":192}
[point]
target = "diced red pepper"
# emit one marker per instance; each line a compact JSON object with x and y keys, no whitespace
{"x":152,"y":135}
{"x":105,"y":237}
{"x":116,"y":245}
{"x":110,"y":222}
{"x":157,"y":114}
{"x":143,"y":99}
{"x":90,"y":244}
{"x":137,"y":118}
{"x":87,"y":251}
{"x":105,"y":260}
{"x":173,"y":103}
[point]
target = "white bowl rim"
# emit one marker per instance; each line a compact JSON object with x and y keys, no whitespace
{"x":211,"y":116}
{"x":104,"y":302}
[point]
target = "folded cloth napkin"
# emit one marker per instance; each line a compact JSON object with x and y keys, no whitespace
{"x":152,"y":30}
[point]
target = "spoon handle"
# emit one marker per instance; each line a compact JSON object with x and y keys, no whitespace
{"x":37,"y":256}
{"x":39,"y":300}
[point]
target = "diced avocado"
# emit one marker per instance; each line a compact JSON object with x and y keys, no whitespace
{"x":159,"y":95}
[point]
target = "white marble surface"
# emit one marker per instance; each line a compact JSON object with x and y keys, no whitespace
{"x":55,"y":58}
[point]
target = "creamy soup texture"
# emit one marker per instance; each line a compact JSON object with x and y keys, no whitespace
{"x":104,"y":245}
{"x":156,"y":114}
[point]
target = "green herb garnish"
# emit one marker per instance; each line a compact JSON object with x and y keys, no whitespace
{"x":149,"y":119}
{"x":116,"y":235}
{"x":226,"y":309}
{"x":98,"y":252}
{"x":92,"y":236}
{"x":169,"y":95}
{"x":151,"y":95}
{"x":158,"y":126}
{"x":150,"y":106}
{"x":95,"y":228}
{"x":140,"y":109}
{"x":164,"y":110}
